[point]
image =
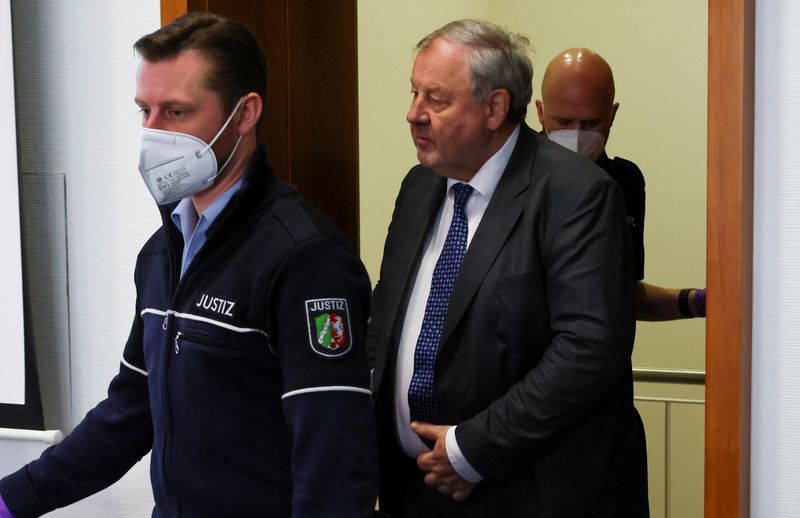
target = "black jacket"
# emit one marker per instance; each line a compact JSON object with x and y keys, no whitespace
{"x":246,"y":378}
{"x":631,"y":180}
{"x":534,"y":361}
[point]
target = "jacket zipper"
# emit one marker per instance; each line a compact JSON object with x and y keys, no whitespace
{"x":169,"y":433}
{"x":173,"y":497}
{"x":177,"y":283}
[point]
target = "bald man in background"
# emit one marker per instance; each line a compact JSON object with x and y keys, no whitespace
{"x":577,"y":110}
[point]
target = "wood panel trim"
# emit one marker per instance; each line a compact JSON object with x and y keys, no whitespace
{"x":731,"y":49}
{"x":171,"y":9}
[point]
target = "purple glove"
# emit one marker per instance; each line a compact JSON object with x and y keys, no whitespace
{"x":699,"y":303}
{"x":4,"y":512}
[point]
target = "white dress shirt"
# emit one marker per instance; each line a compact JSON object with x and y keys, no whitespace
{"x":484,"y":183}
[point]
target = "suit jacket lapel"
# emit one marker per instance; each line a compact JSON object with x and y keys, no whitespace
{"x":409,"y":228}
{"x":420,"y":216}
{"x":502,"y":213}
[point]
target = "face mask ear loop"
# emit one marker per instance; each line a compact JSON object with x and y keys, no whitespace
{"x":226,"y":161}
{"x":228,"y":121}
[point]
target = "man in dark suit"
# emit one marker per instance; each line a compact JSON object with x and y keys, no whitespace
{"x":502,"y":322}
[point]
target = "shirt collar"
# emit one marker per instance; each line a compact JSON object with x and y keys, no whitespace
{"x":186,"y":215}
{"x":488,"y":176}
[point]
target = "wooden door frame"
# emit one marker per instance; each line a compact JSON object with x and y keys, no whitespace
{"x":171,"y":9}
{"x":729,"y":264}
{"x":311,"y":112}
{"x":729,"y":259}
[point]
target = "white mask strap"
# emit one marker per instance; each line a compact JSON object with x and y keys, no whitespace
{"x":230,"y":117}
{"x":228,"y":160}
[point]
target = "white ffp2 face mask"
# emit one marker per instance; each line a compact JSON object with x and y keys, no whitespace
{"x":589,"y":144}
{"x":176,"y":165}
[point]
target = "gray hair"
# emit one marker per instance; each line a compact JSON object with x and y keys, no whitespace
{"x":499,"y":59}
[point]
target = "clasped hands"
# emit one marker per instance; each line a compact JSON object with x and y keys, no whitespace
{"x":439,"y":472}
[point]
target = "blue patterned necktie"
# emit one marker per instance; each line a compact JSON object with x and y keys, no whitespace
{"x":421,"y":400}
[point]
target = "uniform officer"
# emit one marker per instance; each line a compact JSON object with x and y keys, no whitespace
{"x":244,"y":374}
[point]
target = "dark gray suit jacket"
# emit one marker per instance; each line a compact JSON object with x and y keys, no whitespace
{"x":534,"y":361}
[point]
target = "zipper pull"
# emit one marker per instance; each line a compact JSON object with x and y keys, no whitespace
{"x":177,"y":344}
{"x":164,"y":324}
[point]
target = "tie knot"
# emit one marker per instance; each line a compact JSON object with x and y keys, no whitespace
{"x":461,"y":192}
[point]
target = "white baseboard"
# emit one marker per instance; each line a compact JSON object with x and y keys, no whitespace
{"x":18,"y":447}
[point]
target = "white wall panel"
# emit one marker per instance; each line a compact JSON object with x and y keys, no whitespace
{"x":75,"y":82}
{"x":12,"y":349}
{"x":775,"y":470}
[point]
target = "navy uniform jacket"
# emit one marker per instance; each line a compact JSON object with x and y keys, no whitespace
{"x":534,"y":361}
{"x":246,"y":379}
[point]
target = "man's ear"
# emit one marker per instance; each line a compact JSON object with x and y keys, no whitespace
{"x":540,"y":112}
{"x":614,"y":108}
{"x":497,"y":105}
{"x":249,"y":113}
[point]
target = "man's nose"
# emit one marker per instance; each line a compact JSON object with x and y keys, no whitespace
{"x":417,"y":115}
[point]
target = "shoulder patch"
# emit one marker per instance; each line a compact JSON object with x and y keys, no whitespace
{"x":328,"y":327}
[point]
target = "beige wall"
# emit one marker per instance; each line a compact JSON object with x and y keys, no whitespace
{"x":658,"y":52}
{"x":388,"y":31}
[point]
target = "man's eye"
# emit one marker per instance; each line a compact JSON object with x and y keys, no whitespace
{"x":176,"y":113}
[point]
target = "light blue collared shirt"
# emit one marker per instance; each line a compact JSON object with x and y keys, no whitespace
{"x":193,"y":228}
